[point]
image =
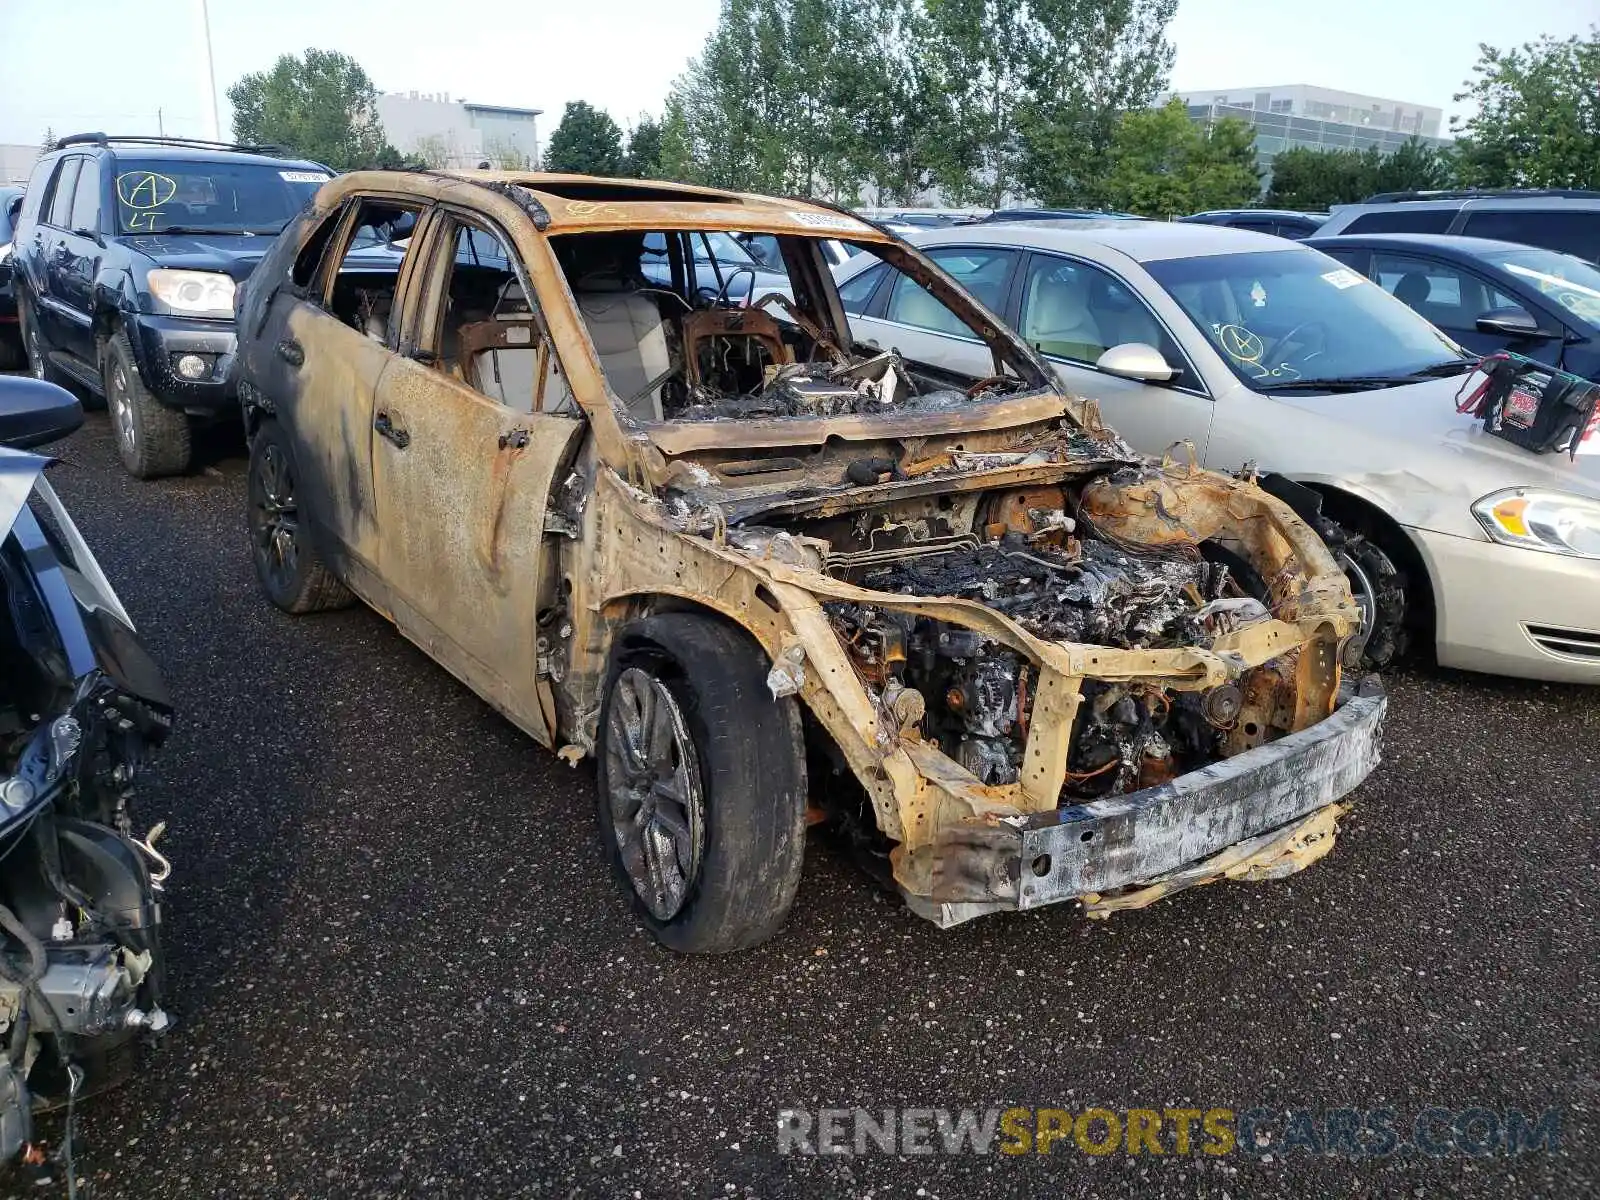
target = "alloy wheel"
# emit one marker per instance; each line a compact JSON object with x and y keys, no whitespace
{"x":32,"y":346}
{"x":1366,"y":600}
{"x":653,"y":777}
{"x":121,"y":408}
{"x":274,"y":519}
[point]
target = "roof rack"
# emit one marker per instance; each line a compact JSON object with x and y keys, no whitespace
{"x":1480,"y":193}
{"x":101,"y":139}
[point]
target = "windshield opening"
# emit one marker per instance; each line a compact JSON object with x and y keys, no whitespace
{"x":1297,"y":318}
{"x":210,"y":197}
{"x":689,"y":325}
{"x":1570,"y":282}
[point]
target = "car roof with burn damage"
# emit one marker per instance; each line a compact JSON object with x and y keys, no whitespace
{"x":592,"y":203}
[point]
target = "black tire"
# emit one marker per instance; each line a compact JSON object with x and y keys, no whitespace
{"x":34,"y":347}
{"x":289,"y":568}
{"x":152,"y":440}
{"x":1383,"y":591}
{"x":745,"y":752}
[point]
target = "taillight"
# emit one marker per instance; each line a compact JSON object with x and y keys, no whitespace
{"x":1591,"y":431}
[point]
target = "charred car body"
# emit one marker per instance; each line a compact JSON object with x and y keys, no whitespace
{"x":741,"y":560}
{"x":81,"y":708}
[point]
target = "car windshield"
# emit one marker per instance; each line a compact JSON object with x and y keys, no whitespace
{"x":210,"y":197}
{"x":1294,"y":318}
{"x":1570,"y":282}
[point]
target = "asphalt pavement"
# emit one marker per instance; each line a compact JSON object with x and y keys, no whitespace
{"x":400,"y":967}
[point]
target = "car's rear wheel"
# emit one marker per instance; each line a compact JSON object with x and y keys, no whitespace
{"x":34,"y":349}
{"x":152,"y":439}
{"x":288,"y":566}
{"x":701,"y":783}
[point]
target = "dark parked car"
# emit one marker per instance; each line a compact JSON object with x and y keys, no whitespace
{"x":1283,"y":222}
{"x":10,"y":334}
{"x":1488,"y":295}
{"x":1568,"y":221}
{"x":127,"y":253}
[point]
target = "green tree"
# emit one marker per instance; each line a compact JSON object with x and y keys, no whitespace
{"x":586,"y":142}
{"x":643,"y":159}
{"x":1088,"y":63}
{"x":1415,"y":167}
{"x":1537,"y":120}
{"x":1164,"y":165}
{"x":432,"y":151}
{"x":320,"y":106}
{"x":504,"y":154}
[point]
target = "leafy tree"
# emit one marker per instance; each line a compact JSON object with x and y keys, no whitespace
{"x":587,"y":142}
{"x":1088,"y":63}
{"x":320,"y":106}
{"x":1164,"y":165}
{"x":1537,"y":122}
{"x":504,"y":154}
{"x":1309,"y":179}
{"x":1415,"y":167}
{"x":984,"y":99}
{"x":432,"y":150}
{"x":643,"y":159}
{"x":1313,"y":179}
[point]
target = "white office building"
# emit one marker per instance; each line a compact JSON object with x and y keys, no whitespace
{"x":459,"y":133}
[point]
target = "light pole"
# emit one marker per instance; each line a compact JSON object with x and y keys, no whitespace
{"x":208,"y":80}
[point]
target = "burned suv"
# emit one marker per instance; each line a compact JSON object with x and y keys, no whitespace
{"x":698,"y":533}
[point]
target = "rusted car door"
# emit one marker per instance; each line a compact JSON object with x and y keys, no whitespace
{"x":325,"y":344}
{"x":473,"y":431}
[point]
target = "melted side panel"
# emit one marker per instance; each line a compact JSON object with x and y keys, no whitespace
{"x":464,"y":550}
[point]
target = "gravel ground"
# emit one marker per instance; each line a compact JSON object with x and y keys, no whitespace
{"x":401,"y":968}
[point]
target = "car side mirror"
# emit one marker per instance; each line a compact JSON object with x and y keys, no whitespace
{"x":13,"y":211}
{"x":1510,"y":322}
{"x":33,"y":412}
{"x":1136,"y":360}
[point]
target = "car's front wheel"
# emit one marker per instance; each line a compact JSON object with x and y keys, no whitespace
{"x":152,"y":439}
{"x":1380,"y":588}
{"x":288,"y":566}
{"x":701,"y":783}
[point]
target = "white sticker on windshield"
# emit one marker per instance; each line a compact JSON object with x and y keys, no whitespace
{"x":1342,"y":278}
{"x":827,"y":220}
{"x":303,"y":177}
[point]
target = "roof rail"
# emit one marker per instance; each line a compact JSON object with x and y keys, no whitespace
{"x":101,"y":139}
{"x":1481,"y":193}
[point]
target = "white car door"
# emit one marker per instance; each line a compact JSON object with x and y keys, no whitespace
{"x":899,"y":314}
{"x":1073,"y":311}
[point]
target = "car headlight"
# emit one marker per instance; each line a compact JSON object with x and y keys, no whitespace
{"x":1558,"y":522}
{"x":196,"y":293}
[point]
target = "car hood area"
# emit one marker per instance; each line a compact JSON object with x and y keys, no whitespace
{"x":1407,"y":449}
{"x":234,"y":254}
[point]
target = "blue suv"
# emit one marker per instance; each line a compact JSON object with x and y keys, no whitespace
{"x":126,"y":255}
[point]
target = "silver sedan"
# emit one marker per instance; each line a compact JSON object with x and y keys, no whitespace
{"x":1260,"y":351}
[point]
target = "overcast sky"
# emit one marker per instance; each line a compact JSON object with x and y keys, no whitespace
{"x":107,"y":64}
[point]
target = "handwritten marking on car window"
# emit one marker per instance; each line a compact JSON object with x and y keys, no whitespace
{"x":145,"y":190}
{"x":1343,"y":278}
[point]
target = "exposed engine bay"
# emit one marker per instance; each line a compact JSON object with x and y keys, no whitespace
{"x":1031,"y":555}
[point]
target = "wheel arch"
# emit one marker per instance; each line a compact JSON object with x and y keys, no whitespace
{"x":1358,"y":513}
